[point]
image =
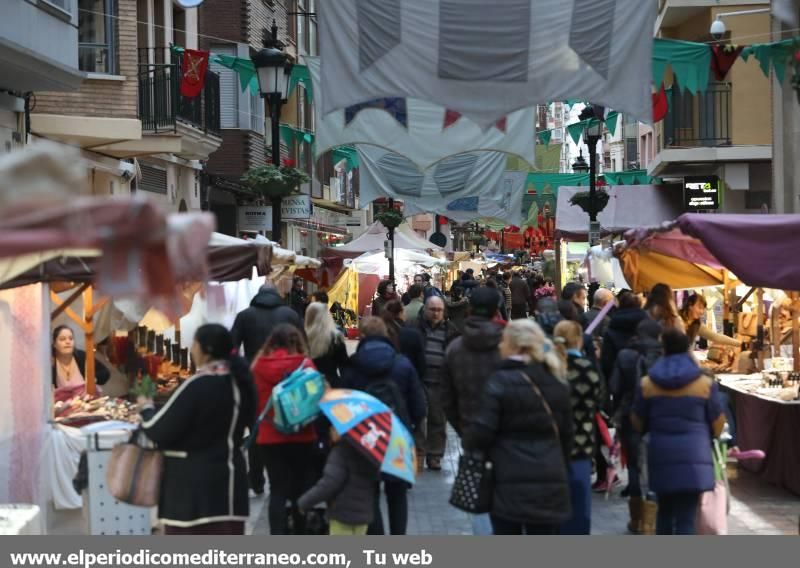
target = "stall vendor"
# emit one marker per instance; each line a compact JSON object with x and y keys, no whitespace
{"x":692,"y":313}
{"x":69,"y":365}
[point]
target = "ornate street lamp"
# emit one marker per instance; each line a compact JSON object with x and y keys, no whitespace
{"x":591,"y":135}
{"x":580,"y":166}
{"x":273,"y":70}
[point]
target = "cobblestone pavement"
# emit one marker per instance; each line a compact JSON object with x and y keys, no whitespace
{"x":756,"y":508}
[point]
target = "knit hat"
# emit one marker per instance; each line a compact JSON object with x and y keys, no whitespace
{"x":484,"y":302}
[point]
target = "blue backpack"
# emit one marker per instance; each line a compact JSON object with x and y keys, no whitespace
{"x":295,"y":402}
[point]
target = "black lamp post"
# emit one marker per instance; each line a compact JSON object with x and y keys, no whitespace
{"x":274,"y":69}
{"x":591,"y":135}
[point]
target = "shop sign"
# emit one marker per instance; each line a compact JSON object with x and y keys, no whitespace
{"x":255,"y":218}
{"x":296,"y":207}
{"x":701,"y":193}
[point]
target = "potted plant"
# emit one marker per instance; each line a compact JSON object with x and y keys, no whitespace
{"x":391,"y":218}
{"x":583,"y":200}
{"x":275,"y":182}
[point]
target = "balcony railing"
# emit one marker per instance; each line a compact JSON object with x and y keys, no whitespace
{"x":701,"y":120}
{"x":161,"y":105}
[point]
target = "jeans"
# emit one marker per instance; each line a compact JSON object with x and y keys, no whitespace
{"x":504,"y":527}
{"x":726,"y":402}
{"x":676,"y":513}
{"x":290,"y":468}
{"x":482,"y":525}
{"x":631,"y":443}
{"x":436,"y":431}
{"x":580,"y":488}
{"x":397,"y":502}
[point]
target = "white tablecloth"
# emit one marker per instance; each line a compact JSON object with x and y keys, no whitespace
{"x":20,"y":519}
{"x":738,"y":382}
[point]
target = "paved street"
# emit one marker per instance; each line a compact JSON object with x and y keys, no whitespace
{"x":756,"y":508}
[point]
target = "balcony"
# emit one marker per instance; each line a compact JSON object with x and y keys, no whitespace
{"x":162,"y":109}
{"x":701,"y":120}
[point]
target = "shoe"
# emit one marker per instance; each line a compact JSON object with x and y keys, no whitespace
{"x":635,"y":509}
{"x":603,"y":486}
{"x":435,"y":464}
{"x":649,"y":512}
{"x":420,"y":462}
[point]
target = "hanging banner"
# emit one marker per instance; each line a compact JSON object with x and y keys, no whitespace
{"x":464,"y":187}
{"x":423,"y":132}
{"x":195,"y":65}
{"x":488,"y":62}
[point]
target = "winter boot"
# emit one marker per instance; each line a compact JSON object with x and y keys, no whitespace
{"x":649,"y":512}
{"x":636,"y":510}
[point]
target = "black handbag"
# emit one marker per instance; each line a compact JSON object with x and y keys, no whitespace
{"x":473,"y":485}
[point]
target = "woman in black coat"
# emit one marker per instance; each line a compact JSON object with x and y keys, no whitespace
{"x":407,"y":340}
{"x":200,"y":430}
{"x":326,"y":345}
{"x":526,"y":436}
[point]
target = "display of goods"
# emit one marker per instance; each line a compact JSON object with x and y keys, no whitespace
{"x":82,"y":410}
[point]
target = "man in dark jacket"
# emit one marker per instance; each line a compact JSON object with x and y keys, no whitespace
{"x":520,"y":297}
{"x":437,"y":333}
{"x":298,"y":298}
{"x":601,"y":298}
{"x":575,"y":292}
{"x":621,"y":330}
{"x":377,"y":360}
{"x":252,"y":327}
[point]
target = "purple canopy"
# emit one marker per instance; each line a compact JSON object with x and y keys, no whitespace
{"x":759,"y":249}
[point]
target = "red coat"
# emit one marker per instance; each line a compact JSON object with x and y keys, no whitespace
{"x":268,"y":371}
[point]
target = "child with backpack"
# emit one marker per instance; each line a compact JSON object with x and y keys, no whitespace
{"x":348,"y":486}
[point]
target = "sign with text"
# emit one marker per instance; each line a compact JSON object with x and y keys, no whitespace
{"x":296,"y":207}
{"x":255,"y":218}
{"x":701,"y":193}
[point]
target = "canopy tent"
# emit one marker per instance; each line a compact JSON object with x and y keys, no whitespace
{"x":372,"y":239}
{"x":629,"y":207}
{"x":757,"y":248}
{"x":643,"y":269}
{"x":376,"y":262}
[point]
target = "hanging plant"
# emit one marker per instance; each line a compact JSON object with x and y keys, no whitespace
{"x":391,"y":218}
{"x":583,"y":200}
{"x":271,"y":181}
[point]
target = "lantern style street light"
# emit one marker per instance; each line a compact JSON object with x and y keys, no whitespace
{"x":591,"y":135}
{"x":273,"y":70}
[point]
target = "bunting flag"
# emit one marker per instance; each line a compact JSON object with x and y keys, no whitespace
{"x":690,"y":63}
{"x":487,"y":64}
{"x":395,"y":107}
{"x":722,"y":59}
{"x":195,"y":65}
{"x":292,"y":135}
{"x":452,"y":116}
{"x":544,"y":136}
{"x":776,"y":55}
{"x":301,"y":76}
{"x":660,"y":105}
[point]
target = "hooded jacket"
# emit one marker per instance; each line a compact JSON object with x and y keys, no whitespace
{"x":632,"y":364}
{"x":457,"y":312}
{"x":621,"y":330}
{"x":468,"y":362}
{"x":377,"y":358}
{"x":253,"y":325}
{"x":679,"y":406}
{"x":268,"y":371}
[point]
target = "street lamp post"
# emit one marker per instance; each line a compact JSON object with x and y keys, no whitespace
{"x":591,"y":136}
{"x":274,"y":69}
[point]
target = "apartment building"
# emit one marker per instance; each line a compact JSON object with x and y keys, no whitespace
{"x":38,"y":51}
{"x":725,"y":131}
{"x":134,"y":128}
{"x":238,"y":28}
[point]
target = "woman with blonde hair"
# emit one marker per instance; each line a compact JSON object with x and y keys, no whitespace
{"x":524,"y":427}
{"x":326,"y":346}
{"x":586,"y":394}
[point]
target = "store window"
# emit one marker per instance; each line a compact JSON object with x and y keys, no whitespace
{"x":96,"y":41}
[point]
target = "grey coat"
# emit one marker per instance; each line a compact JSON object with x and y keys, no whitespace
{"x":347,"y":485}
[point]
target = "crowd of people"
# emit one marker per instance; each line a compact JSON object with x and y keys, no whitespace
{"x":526,"y":380}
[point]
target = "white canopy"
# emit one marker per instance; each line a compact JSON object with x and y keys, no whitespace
{"x":375,"y":262}
{"x":372,"y":239}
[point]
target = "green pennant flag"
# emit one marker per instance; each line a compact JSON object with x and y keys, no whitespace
{"x":544,"y":136}
{"x":611,"y":122}
{"x":776,"y":54}
{"x":308,"y":138}
{"x":576,"y":131}
{"x":300,"y":75}
{"x":690,"y":62}
{"x":288,"y":135}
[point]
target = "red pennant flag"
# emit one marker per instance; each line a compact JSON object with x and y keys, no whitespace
{"x":722,"y":59}
{"x":195,"y":65}
{"x":660,"y":105}
{"x":452,"y":116}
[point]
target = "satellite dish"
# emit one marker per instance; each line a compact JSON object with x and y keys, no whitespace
{"x":189,"y":3}
{"x":439,"y":239}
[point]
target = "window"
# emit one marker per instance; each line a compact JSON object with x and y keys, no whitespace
{"x":96,"y":42}
{"x":291,"y":21}
{"x":313,"y":48}
{"x":228,"y":88}
{"x":302,"y":25}
{"x":154,"y":178}
{"x":257,"y":113}
{"x":64,"y":5}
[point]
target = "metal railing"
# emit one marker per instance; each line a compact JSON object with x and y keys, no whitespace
{"x":701,"y":120}
{"x":161,"y":105}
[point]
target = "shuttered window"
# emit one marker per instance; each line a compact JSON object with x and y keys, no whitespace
{"x":228,"y":88}
{"x":154,"y":179}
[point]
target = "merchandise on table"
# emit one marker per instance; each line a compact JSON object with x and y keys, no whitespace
{"x":82,"y":410}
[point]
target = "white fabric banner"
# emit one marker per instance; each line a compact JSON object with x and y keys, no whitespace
{"x":487,"y":60}
{"x":464,"y":187}
{"x":421,"y":131}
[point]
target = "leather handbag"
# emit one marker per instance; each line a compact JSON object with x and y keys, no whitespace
{"x":133,"y":473}
{"x":748,"y":324}
{"x":473,"y":485}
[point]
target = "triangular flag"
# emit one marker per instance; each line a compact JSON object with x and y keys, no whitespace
{"x":611,"y":122}
{"x":576,"y":131}
{"x":544,"y":136}
{"x":660,"y":106}
{"x":722,"y":59}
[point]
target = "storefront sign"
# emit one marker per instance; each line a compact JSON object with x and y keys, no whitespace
{"x":296,"y":207}
{"x":701,"y":193}
{"x":255,"y":218}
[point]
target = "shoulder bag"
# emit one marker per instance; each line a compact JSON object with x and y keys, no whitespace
{"x":133,"y":473}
